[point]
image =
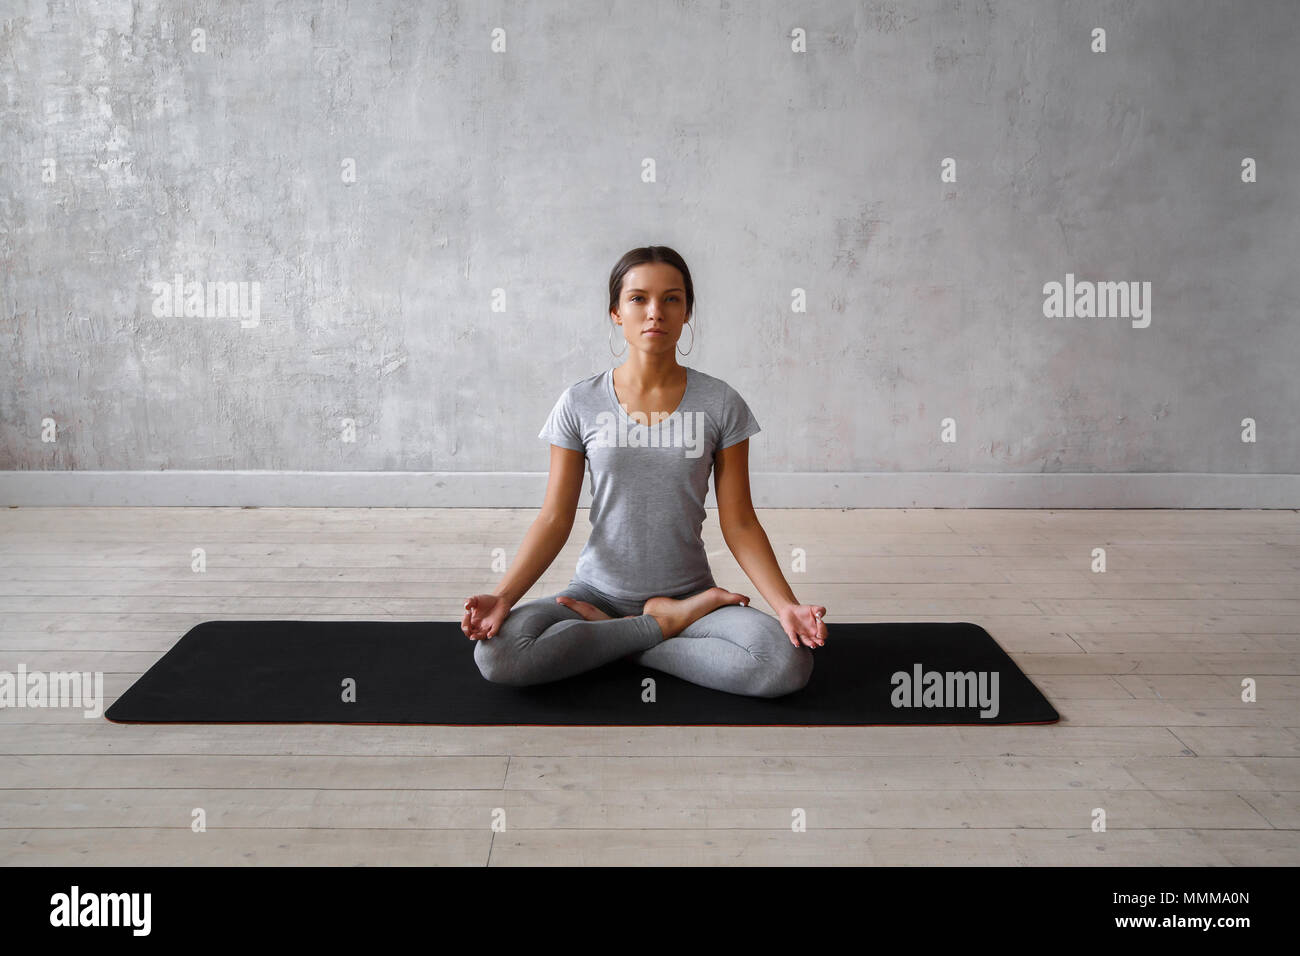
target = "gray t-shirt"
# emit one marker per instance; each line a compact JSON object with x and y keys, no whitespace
{"x":648,"y":482}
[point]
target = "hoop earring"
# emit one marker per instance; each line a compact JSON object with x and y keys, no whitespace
{"x":611,"y":342}
{"x":688,"y":351}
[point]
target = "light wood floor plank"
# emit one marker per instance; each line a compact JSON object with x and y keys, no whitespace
{"x":90,"y":737}
{"x":624,"y":809}
{"x":300,"y":846}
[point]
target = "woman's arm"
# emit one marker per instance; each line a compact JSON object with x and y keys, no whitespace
{"x":749,"y":543}
{"x":753,"y":551}
{"x":741,"y":528}
{"x":550,"y":529}
{"x":545,"y":539}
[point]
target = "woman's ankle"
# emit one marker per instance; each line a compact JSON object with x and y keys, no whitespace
{"x":660,"y":624}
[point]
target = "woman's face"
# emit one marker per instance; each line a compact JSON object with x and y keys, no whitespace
{"x":653,"y":298}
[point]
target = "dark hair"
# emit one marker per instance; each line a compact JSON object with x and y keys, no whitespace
{"x":641,"y":256}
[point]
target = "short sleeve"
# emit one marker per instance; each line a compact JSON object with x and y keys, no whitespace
{"x":738,"y":422}
{"x":562,"y":426}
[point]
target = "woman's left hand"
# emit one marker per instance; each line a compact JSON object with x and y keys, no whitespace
{"x":803,"y":624}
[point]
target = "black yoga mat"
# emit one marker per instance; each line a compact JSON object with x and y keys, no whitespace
{"x":421,"y":672}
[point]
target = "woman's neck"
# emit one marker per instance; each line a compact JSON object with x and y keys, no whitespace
{"x":643,"y":375}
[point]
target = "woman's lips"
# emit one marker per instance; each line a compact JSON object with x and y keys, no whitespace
{"x":653,"y":332}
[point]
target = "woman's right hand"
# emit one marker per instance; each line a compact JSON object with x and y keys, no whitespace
{"x":484,"y":614}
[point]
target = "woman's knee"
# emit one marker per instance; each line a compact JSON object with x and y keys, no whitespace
{"x":790,"y":672}
{"x":497,"y":657}
{"x":789,"y":667}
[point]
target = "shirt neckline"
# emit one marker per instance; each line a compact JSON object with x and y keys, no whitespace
{"x":632,"y":422}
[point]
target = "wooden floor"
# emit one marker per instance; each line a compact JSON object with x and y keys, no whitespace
{"x":1144,"y":663}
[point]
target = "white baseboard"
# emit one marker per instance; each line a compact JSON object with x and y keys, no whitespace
{"x":473,"y":489}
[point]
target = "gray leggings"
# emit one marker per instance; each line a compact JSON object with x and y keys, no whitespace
{"x":740,"y":650}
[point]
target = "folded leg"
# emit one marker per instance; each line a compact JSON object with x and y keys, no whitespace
{"x":737,"y":649}
{"x":542,"y":641}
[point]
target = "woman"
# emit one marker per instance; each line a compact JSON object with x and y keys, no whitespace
{"x":643,"y":588}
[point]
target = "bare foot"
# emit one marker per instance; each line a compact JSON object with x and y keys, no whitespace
{"x":587,"y":609}
{"x":674,"y":616}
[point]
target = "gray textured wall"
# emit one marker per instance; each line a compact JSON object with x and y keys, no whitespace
{"x":775,"y":170}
